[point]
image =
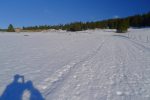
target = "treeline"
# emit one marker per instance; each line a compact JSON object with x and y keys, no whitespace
{"x":43,"y":27}
{"x":140,"y":20}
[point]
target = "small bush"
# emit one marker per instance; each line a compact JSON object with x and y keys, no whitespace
{"x":122,"y":26}
{"x":75,"y":27}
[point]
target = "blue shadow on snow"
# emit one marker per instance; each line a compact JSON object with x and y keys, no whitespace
{"x":15,"y":90}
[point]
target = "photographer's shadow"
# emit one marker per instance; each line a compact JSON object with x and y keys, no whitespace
{"x":16,"y":89}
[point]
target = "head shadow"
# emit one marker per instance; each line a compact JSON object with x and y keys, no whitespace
{"x":16,"y":89}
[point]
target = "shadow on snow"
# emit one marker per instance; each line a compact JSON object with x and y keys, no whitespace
{"x":16,"y":89}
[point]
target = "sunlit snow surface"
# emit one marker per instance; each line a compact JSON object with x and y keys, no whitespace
{"x":89,"y":65}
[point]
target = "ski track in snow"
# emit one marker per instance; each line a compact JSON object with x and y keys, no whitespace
{"x":92,"y":65}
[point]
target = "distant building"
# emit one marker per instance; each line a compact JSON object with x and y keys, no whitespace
{"x":18,"y":29}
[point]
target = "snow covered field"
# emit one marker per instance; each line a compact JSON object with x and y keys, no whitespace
{"x":90,"y":65}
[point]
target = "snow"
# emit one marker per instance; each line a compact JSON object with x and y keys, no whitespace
{"x":88,"y":65}
{"x":119,"y":93}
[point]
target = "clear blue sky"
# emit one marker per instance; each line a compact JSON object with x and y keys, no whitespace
{"x":39,"y":12}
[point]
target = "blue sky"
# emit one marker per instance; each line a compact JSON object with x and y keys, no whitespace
{"x":39,"y":12}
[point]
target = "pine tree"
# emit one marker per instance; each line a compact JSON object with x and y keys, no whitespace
{"x":10,"y":28}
